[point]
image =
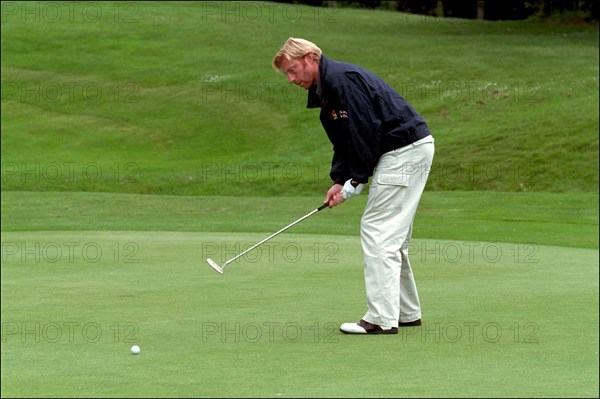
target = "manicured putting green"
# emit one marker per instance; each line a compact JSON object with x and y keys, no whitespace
{"x":499,"y":319}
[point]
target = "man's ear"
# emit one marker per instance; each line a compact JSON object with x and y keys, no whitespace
{"x":309,"y":59}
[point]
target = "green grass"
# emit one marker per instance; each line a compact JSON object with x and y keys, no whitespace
{"x":495,"y":326}
{"x":87,"y":275}
{"x":569,"y":220}
{"x":181,"y":99}
{"x":141,"y":140}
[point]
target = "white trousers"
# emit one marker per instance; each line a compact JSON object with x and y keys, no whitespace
{"x":385,"y":231}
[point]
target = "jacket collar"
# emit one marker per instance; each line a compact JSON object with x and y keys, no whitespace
{"x":315,"y":93}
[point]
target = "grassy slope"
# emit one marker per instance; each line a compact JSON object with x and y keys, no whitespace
{"x":198,"y":110}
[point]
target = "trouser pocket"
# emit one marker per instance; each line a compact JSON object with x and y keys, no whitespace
{"x":390,"y":191}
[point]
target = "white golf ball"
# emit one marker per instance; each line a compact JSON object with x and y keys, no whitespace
{"x":135,"y":349}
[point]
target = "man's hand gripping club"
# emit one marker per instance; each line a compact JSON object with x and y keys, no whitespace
{"x":339,"y":193}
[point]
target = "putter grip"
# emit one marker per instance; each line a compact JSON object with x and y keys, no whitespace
{"x":325,"y":205}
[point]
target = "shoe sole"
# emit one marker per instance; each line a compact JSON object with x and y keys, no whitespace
{"x":415,"y":323}
{"x":390,"y":331}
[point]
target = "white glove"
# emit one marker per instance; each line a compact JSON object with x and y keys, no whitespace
{"x":350,"y":191}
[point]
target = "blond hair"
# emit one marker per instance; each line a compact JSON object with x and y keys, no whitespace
{"x":296,"y":48}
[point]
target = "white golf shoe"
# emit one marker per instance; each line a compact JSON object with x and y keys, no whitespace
{"x":364,"y":327}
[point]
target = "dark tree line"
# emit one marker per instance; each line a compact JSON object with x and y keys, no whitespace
{"x":501,"y":9}
{"x":479,"y":9}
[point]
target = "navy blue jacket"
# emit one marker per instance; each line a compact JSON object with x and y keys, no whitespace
{"x":363,"y":117}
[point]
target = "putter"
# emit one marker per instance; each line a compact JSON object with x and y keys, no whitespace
{"x":219,"y":269}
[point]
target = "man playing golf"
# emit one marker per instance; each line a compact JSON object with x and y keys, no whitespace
{"x":375,"y":134}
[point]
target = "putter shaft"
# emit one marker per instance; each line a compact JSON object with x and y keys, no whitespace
{"x":220,"y":269}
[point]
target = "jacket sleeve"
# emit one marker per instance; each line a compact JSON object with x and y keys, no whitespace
{"x":339,"y":167}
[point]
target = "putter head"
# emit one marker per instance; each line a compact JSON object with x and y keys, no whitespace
{"x":214,"y":265}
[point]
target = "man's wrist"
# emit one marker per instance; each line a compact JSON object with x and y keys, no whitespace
{"x":350,"y":190}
